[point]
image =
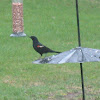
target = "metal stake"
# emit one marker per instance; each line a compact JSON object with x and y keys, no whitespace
{"x":79,"y":42}
{"x":82,"y":80}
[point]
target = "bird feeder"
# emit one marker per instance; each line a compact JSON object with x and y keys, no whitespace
{"x":17,"y":18}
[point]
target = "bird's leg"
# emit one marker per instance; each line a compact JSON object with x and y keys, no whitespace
{"x":39,"y":57}
{"x":47,"y":58}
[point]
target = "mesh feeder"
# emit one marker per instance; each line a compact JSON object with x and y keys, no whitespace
{"x":17,"y":17}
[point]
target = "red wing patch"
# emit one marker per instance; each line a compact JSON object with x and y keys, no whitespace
{"x":39,"y":46}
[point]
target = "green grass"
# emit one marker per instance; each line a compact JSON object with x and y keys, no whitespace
{"x":54,"y":23}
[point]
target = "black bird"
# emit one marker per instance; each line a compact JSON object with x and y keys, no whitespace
{"x":41,"y":49}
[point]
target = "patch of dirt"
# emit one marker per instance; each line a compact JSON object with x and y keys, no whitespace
{"x":65,"y":96}
{"x":9,"y":80}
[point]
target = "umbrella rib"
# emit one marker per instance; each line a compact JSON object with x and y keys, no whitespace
{"x":68,"y":57}
{"x":83,"y":57}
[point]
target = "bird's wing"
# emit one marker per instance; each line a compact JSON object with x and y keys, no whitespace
{"x":39,"y":45}
{"x":44,"y":48}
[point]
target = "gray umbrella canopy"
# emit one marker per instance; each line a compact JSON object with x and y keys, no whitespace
{"x":76,"y":55}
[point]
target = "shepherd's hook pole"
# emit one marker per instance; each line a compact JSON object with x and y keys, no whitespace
{"x":79,"y":42}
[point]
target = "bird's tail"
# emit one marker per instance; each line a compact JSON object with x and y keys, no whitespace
{"x":55,"y":52}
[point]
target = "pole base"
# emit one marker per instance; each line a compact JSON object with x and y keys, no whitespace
{"x":19,"y":34}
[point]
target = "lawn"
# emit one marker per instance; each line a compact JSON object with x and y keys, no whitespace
{"x":54,"y":23}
